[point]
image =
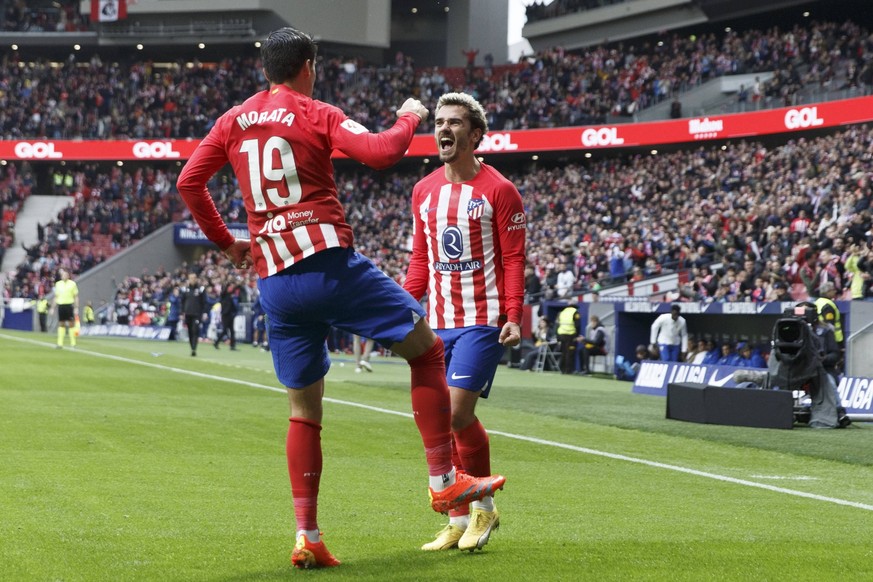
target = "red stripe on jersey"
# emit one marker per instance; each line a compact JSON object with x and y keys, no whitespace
{"x":451,"y":219}
{"x":472,"y":249}
{"x":477,"y":249}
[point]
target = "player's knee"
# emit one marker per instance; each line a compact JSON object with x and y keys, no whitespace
{"x":461,"y":420}
{"x":433,"y":356}
{"x":418,"y":343}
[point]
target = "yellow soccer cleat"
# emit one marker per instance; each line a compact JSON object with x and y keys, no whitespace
{"x":482,"y":523}
{"x":446,"y":539}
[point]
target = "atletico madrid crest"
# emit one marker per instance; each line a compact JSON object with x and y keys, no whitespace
{"x":475,"y":208}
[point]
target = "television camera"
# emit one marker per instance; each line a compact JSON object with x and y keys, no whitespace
{"x":796,"y":364}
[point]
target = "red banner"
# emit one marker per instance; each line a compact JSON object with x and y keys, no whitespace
{"x":108,"y":10}
{"x":581,"y":139}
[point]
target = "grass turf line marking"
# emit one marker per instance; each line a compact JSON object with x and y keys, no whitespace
{"x":534,"y":440}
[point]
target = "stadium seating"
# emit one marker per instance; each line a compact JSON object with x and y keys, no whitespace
{"x":715,"y":213}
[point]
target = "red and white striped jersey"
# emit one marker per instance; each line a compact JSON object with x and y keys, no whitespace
{"x":279,"y":143}
{"x":468,"y":250}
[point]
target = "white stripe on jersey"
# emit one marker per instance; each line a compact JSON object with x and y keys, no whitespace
{"x":302,"y":238}
{"x":467,"y":306}
{"x":445,"y":278}
{"x":281,"y":249}
{"x":467,"y":279}
{"x":489,"y":272}
{"x":328,"y":232}
{"x":304,"y":241}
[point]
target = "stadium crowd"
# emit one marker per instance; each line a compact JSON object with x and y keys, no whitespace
{"x":791,"y":216}
{"x":112,"y":209}
{"x":16,"y":184}
{"x":99,"y":99}
{"x":43,"y":16}
{"x":741,"y":223}
{"x":537,"y":11}
{"x":154,"y":298}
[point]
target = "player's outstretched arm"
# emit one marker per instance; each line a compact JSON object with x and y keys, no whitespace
{"x":379,"y":150}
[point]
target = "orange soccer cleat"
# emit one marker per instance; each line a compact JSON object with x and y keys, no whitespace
{"x":465,"y":490}
{"x":307,"y":554}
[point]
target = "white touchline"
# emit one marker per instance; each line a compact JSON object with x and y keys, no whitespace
{"x":510,"y":435}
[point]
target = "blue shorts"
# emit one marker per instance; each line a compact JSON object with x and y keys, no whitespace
{"x":472,"y":357}
{"x":261,"y":324}
{"x":333,"y":288}
{"x":669,"y":352}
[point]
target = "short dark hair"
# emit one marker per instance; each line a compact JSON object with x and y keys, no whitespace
{"x":675,"y":307}
{"x":284,"y":53}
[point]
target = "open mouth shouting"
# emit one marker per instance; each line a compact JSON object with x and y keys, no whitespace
{"x":446,"y":144}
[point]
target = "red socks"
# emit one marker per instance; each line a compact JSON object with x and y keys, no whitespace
{"x":432,"y":408}
{"x":471,"y":451}
{"x":474,"y":449}
{"x":303,"y":449}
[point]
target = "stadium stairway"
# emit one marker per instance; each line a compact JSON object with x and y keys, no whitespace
{"x":36,"y":209}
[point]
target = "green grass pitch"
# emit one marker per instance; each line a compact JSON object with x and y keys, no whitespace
{"x":131,"y":460}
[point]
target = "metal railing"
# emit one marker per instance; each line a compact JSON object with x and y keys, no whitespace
{"x":859,"y":346}
{"x":194,"y":27}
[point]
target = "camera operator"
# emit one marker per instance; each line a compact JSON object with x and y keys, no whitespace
{"x":830,"y":352}
{"x":828,"y":346}
{"x":829,"y":313}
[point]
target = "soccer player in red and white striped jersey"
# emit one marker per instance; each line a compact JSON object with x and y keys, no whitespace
{"x":468,"y":256}
{"x":279,"y":143}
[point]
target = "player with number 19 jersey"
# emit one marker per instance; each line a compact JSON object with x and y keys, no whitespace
{"x":477,"y":233}
{"x":275,"y":142}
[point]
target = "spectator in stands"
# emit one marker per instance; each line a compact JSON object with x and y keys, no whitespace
{"x":858,"y":269}
{"x":141,"y":317}
{"x":566,"y":281}
{"x":532,"y":286}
